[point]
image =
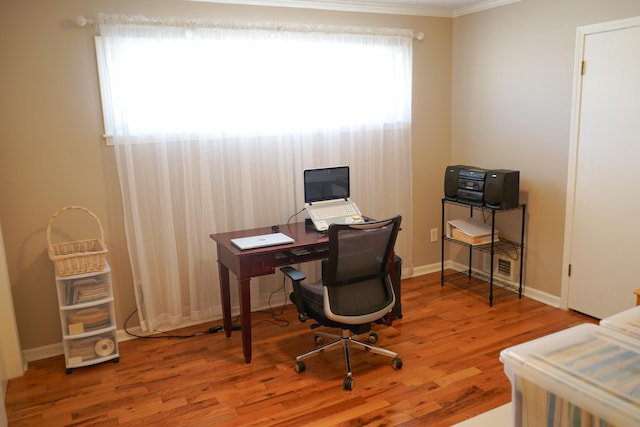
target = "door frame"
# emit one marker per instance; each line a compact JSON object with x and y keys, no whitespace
{"x":574,"y":139}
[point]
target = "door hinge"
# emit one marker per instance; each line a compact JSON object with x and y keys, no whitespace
{"x":583,"y":68}
{"x":569,"y":270}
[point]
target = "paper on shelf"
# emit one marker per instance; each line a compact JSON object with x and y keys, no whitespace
{"x":469,"y":230}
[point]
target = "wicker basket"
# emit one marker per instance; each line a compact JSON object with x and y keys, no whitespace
{"x":80,"y":256}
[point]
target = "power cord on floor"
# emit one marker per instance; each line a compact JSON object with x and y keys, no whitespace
{"x":166,"y":335}
{"x":215,"y":329}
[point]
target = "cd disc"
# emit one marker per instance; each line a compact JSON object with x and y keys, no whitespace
{"x":104,"y":347}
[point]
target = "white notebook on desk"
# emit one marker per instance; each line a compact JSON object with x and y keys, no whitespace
{"x":261,"y":241}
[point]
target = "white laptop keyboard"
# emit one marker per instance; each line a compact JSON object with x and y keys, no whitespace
{"x":327,"y":212}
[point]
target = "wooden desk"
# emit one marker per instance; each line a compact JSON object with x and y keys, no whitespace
{"x":260,"y":262}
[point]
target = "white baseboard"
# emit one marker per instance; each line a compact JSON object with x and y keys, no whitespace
{"x":121,"y":335}
{"x":534,"y":294}
{"x":425,"y":269}
{"x":52,"y":350}
{"x":542,"y":297}
{"x":43,"y":352}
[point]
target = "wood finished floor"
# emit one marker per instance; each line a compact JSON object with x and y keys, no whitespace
{"x":449,"y":340}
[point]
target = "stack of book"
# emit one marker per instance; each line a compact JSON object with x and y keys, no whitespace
{"x":85,"y":290}
{"x":470,"y":231}
{"x":89,"y":319}
{"x":80,"y":350}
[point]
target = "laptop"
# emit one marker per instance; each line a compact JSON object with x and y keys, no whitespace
{"x":326,"y":197}
{"x":261,"y":241}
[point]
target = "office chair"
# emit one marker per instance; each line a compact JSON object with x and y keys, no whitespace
{"x":355,"y":289}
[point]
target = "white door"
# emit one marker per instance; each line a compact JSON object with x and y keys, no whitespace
{"x":605,"y":224}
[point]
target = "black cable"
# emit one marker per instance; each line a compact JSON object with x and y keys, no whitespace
{"x":167,"y":335}
{"x":294,"y":215}
{"x":215,"y":329}
{"x":275,"y":320}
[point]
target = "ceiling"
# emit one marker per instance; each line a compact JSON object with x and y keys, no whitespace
{"x":446,"y":8}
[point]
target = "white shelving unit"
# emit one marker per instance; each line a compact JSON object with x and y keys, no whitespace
{"x":87,"y":318}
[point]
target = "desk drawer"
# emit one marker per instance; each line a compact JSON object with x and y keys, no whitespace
{"x":262,"y":264}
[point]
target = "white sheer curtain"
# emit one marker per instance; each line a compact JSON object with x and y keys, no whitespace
{"x":213,"y":124}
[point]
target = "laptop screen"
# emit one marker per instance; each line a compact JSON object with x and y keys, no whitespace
{"x":326,"y":184}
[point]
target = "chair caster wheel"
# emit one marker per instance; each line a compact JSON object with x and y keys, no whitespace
{"x":347,"y":384}
{"x":373,"y":338}
{"x":396,"y":363}
{"x":300,"y":367}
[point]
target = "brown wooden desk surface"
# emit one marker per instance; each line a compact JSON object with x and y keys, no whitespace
{"x":309,"y":245}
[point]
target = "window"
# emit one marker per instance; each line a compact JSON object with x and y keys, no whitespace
{"x":246,"y":81}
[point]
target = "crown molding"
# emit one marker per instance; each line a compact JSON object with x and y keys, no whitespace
{"x":479,"y":7}
{"x":389,"y":7}
{"x":345,"y":6}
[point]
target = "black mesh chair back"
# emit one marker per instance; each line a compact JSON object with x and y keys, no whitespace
{"x":356,"y":274}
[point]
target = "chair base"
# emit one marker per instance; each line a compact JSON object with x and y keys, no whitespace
{"x":346,"y":341}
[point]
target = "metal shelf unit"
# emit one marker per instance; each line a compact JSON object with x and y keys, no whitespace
{"x":475,"y":281}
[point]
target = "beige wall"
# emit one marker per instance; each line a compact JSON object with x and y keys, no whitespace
{"x":512,"y":93}
{"x":52,"y":154}
{"x":491,"y":89}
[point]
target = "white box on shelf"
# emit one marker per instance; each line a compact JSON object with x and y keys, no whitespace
{"x":471,"y":231}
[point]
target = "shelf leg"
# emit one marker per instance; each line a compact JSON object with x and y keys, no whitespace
{"x":524,"y":208}
{"x":442,"y":246}
{"x":493,"y":231}
{"x":470,"y":247}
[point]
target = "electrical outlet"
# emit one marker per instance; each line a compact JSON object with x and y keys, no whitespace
{"x":434,"y":235}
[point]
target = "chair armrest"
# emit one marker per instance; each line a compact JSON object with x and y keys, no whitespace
{"x":296,"y":277}
{"x":293,"y":274}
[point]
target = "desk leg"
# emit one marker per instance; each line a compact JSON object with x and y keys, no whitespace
{"x":225,"y":295}
{"x":245,"y":318}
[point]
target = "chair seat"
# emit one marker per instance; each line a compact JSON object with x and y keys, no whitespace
{"x":312,"y":292}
